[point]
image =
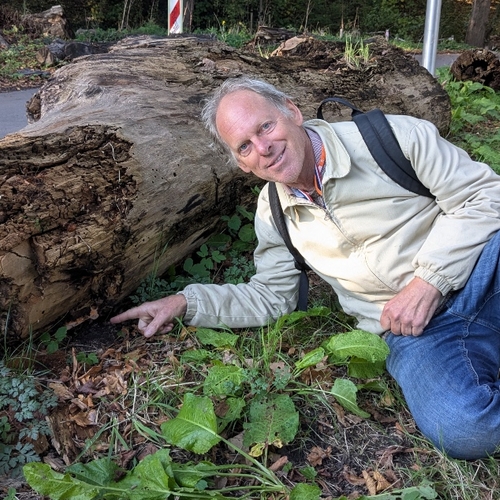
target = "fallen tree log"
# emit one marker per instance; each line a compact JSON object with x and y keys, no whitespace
{"x":116,"y":166}
{"x":478,"y":65}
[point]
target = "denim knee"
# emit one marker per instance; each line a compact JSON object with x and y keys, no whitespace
{"x":463,"y":438}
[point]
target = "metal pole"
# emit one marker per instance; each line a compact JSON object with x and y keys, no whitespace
{"x":431,"y":35}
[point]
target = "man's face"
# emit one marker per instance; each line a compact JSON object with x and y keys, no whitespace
{"x":265,"y":142}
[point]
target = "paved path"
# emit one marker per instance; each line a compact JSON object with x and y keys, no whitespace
{"x":13,"y":110}
{"x":13,"y":104}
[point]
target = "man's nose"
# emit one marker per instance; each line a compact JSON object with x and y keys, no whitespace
{"x":263,"y":145}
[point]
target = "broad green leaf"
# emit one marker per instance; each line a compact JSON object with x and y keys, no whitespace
{"x":360,"y":368}
{"x":195,"y":427}
{"x":151,"y":479}
{"x":57,"y":486}
{"x":247,"y":233}
{"x":358,"y":343}
{"x":99,"y":472}
{"x":207,"y":336}
{"x":191,"y":475}
{"x":234,"y":410}
{"x":195,"y":356}
{"x":245,"y":213}
{"x":223,"y":380}
{"x":272,"y":420}
{"x":312,"y":358}
{"x":305,"y":492}
{"x":296,"y":316}
{"x":345,"y":393}
{"x":219,"y":241}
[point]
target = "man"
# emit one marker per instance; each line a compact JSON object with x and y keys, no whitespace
{"x":424,"y":272}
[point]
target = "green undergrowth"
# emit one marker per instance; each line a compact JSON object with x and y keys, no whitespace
{"x":246,"y":395}
{"x":475,"y":118}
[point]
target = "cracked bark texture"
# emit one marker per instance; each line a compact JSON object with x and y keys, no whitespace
{"x":115,"y":165}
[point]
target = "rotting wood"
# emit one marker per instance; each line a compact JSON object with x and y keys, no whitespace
{"x":478,"y":65}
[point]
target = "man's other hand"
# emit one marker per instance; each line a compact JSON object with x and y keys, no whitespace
{"x":410,"y":311}
{"x":155,"y":317}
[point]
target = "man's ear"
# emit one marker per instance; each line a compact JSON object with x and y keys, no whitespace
{"x":296,"y":113}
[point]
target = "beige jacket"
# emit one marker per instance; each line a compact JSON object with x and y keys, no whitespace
{"x":373,"y":237}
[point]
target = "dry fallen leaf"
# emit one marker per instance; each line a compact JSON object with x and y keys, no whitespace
{"x":317,"y":455}
{"x":370,"y":483}
{"x":351,"y":477}
{"x":61,"y":391}
{"x":382,"y":483}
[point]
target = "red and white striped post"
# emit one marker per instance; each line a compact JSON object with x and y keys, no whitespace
{"x":175,"y":16}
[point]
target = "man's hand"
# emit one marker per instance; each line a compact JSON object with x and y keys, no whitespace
{"x":155,"y":317}
{"x":410,"y":311}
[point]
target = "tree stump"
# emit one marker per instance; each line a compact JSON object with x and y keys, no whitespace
{"x":116,"y":177}
{"x":51,"y":22}
{"x":478,"y":65}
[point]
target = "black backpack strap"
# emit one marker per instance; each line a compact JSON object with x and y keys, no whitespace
{"x":383,"y":146}
{"x":340,"y":100}
{"x":300,"y":263}
{"x":385,"y":149}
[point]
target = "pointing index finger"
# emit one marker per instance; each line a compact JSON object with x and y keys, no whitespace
{"x":133,"y":313}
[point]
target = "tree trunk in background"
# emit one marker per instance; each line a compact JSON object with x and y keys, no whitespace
{"x":476,"y":31}
{"x":117,"y":164}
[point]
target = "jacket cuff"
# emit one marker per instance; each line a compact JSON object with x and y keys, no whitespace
{"x":191,"y":305}
{"x":440,"y":282}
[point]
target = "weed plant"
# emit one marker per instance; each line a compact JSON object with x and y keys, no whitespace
{"x":23,"y":407}
{"x":19,"y":55}
{"x":475,"y":119}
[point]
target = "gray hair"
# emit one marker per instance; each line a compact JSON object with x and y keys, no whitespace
{"x":269,"y":92}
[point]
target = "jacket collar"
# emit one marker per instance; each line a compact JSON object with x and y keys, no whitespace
{"x":338,"y":161}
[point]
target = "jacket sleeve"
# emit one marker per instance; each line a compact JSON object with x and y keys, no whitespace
{"x":468,"y":194}
{"x":270,"y":293}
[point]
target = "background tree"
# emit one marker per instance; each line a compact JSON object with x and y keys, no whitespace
{"x":476,"y":31}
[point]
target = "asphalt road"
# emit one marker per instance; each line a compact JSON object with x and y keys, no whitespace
{"x":13,"y":110}
{"x":13,"y":104}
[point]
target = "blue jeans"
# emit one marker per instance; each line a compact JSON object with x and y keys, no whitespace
{"x":450,"y":374}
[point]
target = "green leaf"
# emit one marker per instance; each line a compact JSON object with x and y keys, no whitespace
{"x":345,"y":393}
{"x":61,"y":333}
{"x":360,"y":368}
{"x":223,"y":380}
{"x":195,"y":356}
{"x":247,"y":233}
{"x":97,"y":473}
{"x":195,"y":427}
{"x":245,"y":213}
{"x":219,"y":241}
{"x":235,"y":408}
{"x":358,"y":343}
{"x":312,"y":358}
{"x":190,"y":476}
{"x":57,"y":486}
{"x":234,"y":223}
{"x":151,"y":479}
{"x":208,"y":336}
{"x":296,"y":316}
{"x":272,"y":420}
{"x":305,"y":492}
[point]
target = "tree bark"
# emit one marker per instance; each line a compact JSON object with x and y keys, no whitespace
{"x":478,"y":23}
{"x":117,"y":166}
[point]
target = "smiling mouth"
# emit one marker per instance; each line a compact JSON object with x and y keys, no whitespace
{"x":278,"y":159}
